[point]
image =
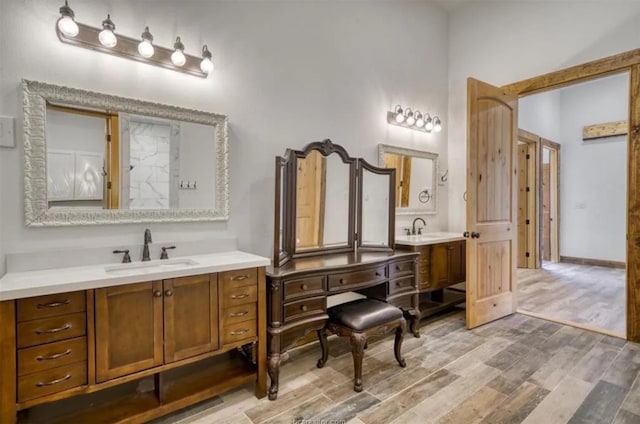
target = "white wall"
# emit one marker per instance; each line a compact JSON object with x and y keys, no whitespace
{"x":502,"y":42}
{"x":592,"y":173}
{"x":288,"y":73}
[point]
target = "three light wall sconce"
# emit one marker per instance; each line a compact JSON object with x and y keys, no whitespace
{"x":105,"y":40}
{"x":415,"y":120}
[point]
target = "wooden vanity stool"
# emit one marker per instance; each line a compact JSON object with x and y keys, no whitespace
{"x":358,"y":320}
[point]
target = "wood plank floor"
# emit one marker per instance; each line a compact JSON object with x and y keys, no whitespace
{"x":593,"y":296}
{"x":517,"y":369}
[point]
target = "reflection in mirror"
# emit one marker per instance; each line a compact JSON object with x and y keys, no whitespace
{"x":110,"y":159}
{"x":416,"y":187}
{"x":322,"y":201}
{"x":375,"y":208}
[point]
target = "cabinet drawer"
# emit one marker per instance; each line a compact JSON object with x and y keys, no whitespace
{"x":239,"y":277}
{"x":50,"y":305}
{"x":401,"y":284}
{"x":47,"y":330}
{"x":239,"y":313}
{"x":303,"y":287}
{"x":240,"y":331}
{"x":51,"y":355}
{"x":400,"y":268}
{"x":303,"y":308}
{"x":233,"y":296}
{"x":350,"y":280}
{"x":51,"y":381}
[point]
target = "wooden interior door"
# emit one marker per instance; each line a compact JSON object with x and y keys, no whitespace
{"x":546,"y":212}
{"x":190,"y":302}
{"x":523,"y":208}
{"x":128,"y":329}
{"x":310,"y":199}
{"x":491,"y":203}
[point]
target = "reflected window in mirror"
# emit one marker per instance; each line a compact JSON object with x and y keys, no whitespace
{"x":376,"y":206}
{"x":416,"y":183}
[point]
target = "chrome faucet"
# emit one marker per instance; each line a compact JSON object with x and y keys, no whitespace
{"x":413,"y":226}
{"x":147,"y":240}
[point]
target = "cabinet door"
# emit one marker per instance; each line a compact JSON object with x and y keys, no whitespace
{"x":457,"y":262}
{"x":440,"y":266}
{"x":190,"y":316}
{"x":128,"y":329}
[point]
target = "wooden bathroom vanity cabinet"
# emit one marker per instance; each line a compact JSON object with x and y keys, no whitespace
{"x":128,"y":353}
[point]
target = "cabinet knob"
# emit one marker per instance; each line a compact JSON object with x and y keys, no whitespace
{"x":303,"y":286}
{"x":168,"y":293}
{"x":239,"y":296}
{"x":157,"y":293}
{"x":303,"y":308}
{"x":342,"y":281}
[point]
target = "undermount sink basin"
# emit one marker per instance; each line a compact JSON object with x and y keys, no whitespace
{"x":148,"y":267}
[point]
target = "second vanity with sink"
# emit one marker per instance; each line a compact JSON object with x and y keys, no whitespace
{"x":130,"y":341}
{"x":441,"y":265}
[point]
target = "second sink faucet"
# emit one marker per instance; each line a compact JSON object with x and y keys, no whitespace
{"x":413,"y":226}
{"x":145,"y":250}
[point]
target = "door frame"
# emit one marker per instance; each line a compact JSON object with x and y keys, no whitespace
{"x":534,"y":212}
{"x":554,"y":197}
{"x":624,"y":62}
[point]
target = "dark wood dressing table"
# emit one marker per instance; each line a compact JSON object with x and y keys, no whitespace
{"x":363,"y":261}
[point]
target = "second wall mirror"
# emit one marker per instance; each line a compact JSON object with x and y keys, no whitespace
{"x":416,"y":178}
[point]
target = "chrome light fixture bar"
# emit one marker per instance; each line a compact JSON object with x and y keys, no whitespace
{"x":131,"y":48}
{"x":407,"y":118}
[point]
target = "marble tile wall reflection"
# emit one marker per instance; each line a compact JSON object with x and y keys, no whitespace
{"x":149,"y":179}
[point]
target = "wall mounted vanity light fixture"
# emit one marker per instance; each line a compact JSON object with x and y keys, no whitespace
{"x":141,"y":49}
{"x":415,"y":120}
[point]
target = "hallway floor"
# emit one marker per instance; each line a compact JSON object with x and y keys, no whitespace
{"x":518,"y":369}
{"x":592,"y":296}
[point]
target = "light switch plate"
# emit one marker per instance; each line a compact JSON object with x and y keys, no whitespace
{"x":7,"y":132}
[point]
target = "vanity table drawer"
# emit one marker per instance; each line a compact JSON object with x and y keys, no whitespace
{"x":240,"y":331}
{"x":51,"y":355}
{"x":353,"y":279}
{"x":239,"y":277}
{"x":47,"y":330}
{"x":239,"y":313}
{"x":303,"y":308}
{"x":233,"y":296}
{"x":51,"y":381}
{"x":303,"y":287}
{"x":401,"y":284}
{"x":50,"y":305}
{"x":400,"y":268}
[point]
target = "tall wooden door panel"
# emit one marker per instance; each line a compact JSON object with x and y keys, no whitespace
{"x":190,"y":303}
{"x":492,"y":202}
{"x":310,"y":200}
{"x":523,"y":207}
{"x":128,"y":329}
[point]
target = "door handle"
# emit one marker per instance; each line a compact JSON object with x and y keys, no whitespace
{"x":475,"y":235}
{"x":465,"y":234}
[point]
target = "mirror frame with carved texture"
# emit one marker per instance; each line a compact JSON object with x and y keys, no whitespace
{"x":286,"y":172}
{"x":403,"y":151}
{"x":35,"y":97}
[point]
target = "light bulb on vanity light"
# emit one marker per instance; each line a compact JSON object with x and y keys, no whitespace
{"x":410,"y":120}
{"x":107,"y":37}
{"x":145,"y":47}
{"x":428,"y":123}
{"x":66,"y":24}
{"x":419,"y":119}
{"x":206,"y":65}
{"x":437,"y":125}
{"x":177,"y":57}
{"x":399,"y":114}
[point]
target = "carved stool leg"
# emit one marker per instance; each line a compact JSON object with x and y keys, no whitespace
{"x":397,"y":346}
{"x":274,"y":374}
{"x":414,"y":322}
{"x":324,"y":345}
{"x":358,"y":340}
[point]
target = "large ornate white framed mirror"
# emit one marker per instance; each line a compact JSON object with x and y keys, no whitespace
{"x":92,"y":158}
{"x":416,"y":178}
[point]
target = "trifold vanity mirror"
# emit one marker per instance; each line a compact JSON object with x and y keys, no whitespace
{"x":93,"y":158}
{"x":329,"y":202}
{"x":416,"y":178}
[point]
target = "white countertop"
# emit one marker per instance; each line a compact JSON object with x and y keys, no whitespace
{"x":17,"y":285}
{"x":428,"y":238}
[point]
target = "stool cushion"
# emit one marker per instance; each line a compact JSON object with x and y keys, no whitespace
{"x":363,"y":314}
